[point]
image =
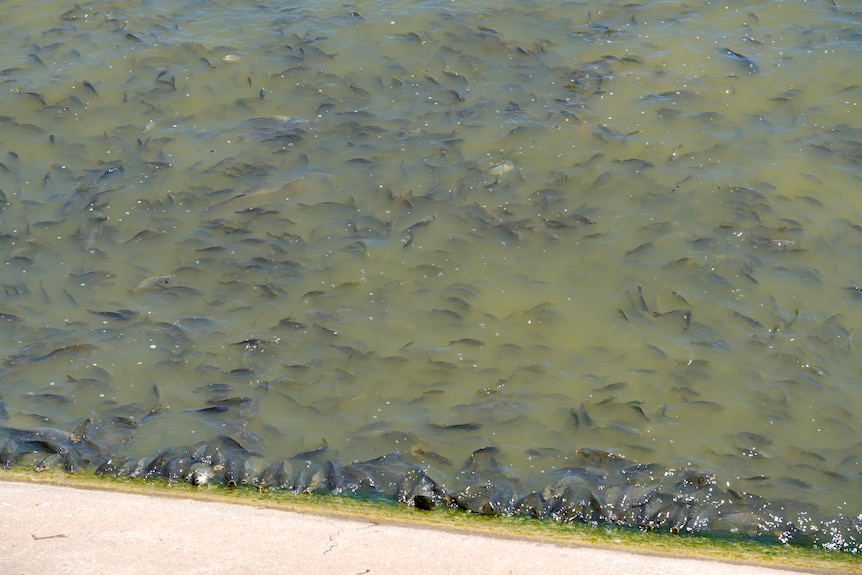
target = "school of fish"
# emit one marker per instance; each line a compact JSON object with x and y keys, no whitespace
{"x":589,"y":262}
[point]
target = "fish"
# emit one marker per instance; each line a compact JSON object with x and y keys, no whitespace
{"x":584,"y":416}
{"x":252,"y":344}
{"x":683,"y":95}
{"x":468,"y":341}
{"x":9,"y":454}
{"x":158,"y":281}
{"x":575,"y":417}
{"x":49,"y":461}
{"x":114,"y":168}
{"x":232,"y":401}
{"x":457,"y":426}
{"x":749,"y":320}
{"x":754,"y":438}
{"x":612,"y":386}
{"x":118,"y":315}
{"x":420,"y":453}
{"x":80,"y":432}
{"x":456,"y":77}
{"x":408,"y":231}
{"x":639,"y":410}
{"x":92,"y":276}
{"x":215,"y":387}
{"x":66,"y":350}
{"x":620,"y":428}
{"x":231,"y":472}
{"x":266,"y":478}
{"x":200,"y":473}
{"x":112,"y":466}
{"x":212,"y":409}
{"x":312,"y":453}
{"x":747,"y":62}
{"x":284,"y":476}
{"x":143,"y":235}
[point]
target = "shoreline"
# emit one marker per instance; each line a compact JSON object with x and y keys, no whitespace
{"x":62,"y":522}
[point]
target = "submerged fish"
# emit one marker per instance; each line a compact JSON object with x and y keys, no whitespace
{"x":154,"y":281}
{"x":747,"y":62}
{"x":66,"y":350}
{"x":119,"y":315}
{"x":457,"y":426}
{"x":311,"y":453}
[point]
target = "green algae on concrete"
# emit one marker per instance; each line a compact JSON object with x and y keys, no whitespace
{"x":734,"y":550}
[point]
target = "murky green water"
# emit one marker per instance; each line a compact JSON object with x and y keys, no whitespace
{"x":441,"y":227}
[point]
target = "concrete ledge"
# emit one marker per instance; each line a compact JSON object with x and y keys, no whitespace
{"x":57,"y":529}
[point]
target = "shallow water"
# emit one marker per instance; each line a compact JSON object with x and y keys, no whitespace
{"x":567,"y":225}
